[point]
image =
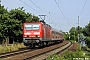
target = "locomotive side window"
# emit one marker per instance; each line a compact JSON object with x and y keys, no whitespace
{"x":32,"y":26}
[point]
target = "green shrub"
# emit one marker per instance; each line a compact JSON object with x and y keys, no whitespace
{"x":70,"y":55}
{"x":0,"y":59}
{"x":88,"y":41}
{"x":67,"y":55}
{"x":53,"y":57}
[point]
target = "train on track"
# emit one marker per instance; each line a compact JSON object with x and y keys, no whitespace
{"x":40,"y":33}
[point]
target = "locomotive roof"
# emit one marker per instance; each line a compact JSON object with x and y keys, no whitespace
{"x":30,"y":22}
{"x":45,"y":23}
{"x":38,"y":22}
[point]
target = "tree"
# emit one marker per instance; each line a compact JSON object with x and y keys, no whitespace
{"x":18,"y":17}
{"x":86,"y":30}
{"x":35,"y":19}
{"x":73,"y":33}
{"x":3,"y":18}
{"x":2,"y":10}
{"x":66,"y":35}
{"x":18,"y":14}
{"x":72,"y":30}
{"x":11,"y":22}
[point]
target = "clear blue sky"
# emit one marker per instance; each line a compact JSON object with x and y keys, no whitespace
{"x":62,"y":16}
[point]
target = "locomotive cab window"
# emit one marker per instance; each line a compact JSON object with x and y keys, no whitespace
{"x":36,"y":26}
{"x":32,"y":26}
{"x":28,"y":27}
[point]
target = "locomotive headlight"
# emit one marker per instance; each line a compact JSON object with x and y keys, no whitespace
{"x":27,"y":33}
{"x":25,"y":41}
{"x":38,"y":36}
{"x":25,"y":36}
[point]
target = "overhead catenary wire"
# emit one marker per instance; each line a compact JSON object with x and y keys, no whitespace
{"x":52,"y":21}
{"x":83,"y":7}
{"x":59,"y":3}
{"x":38,"y":6}
{"x":41,"y":9}
{"x":62,"y":12}
{"x":33,"y":8}
{"x":30,"y":6}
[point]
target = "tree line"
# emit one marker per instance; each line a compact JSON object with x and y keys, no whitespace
{"x":11,"y":22}
{"x":83,"y":31}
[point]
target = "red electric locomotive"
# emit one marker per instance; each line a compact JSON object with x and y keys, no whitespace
{"x":39,"y":33}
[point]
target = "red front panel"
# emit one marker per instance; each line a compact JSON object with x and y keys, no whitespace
{"x":32,"y":30}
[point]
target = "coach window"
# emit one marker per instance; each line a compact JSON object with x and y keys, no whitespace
{"x":53,"y":33}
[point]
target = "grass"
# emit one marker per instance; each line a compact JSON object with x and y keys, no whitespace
{"x":86,"y":52}
{"x":14,"y":47}
{"x":68,"y":55}
{"x":4,"y":49}
{"x":53,"y":57}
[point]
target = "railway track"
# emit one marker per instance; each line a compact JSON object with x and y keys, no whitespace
{"x":57,"y":50}
{"x":5,"y":55}
{"x":34,"y":54}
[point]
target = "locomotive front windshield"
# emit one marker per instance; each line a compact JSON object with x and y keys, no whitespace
{"x":32,"y":26}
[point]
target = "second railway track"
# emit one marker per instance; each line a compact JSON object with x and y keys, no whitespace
{"x":43,"y":53}
{"x":7,"y":54}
